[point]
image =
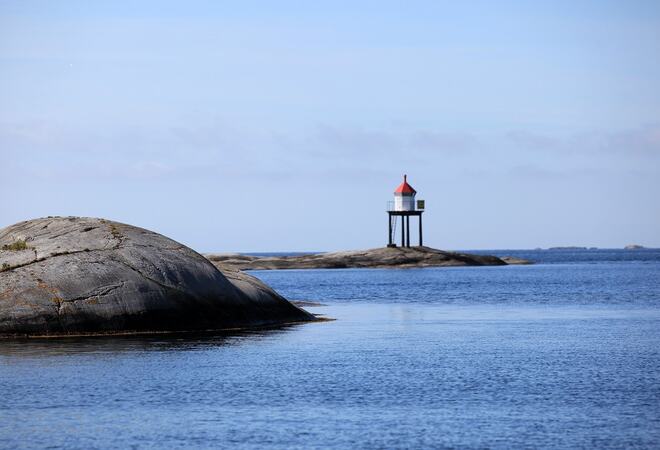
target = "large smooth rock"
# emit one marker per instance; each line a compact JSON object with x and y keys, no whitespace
{"x":70,"y":275}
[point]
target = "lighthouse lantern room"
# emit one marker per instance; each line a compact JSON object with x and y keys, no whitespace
{"x":404,"y":206}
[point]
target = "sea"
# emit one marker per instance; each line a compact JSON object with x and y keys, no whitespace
{"x":564,"y":353}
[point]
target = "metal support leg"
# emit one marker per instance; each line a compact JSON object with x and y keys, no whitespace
{"x":403,"y":232}
{"x":408,"y":231}
{"x":420,"y":231}
{"x":389,"y":235}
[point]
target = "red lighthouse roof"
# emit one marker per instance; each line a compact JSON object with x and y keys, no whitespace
{"x":404,"y":188}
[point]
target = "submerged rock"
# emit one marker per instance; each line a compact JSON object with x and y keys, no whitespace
{"x":376,"y":258}
{"x":70,"y":275}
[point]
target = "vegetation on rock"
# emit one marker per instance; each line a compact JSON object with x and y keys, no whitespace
{"x":16,"y":246}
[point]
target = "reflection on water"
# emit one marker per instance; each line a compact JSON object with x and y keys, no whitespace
{"x":188,"y":341}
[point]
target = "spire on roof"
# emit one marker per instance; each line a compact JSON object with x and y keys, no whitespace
{"x":404,"y":188}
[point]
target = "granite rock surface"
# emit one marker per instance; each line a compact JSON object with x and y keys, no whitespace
{"x":78,"y":275}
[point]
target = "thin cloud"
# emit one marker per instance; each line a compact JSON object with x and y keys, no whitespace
{"x":414,"y":144}
{"x":445,"y":142}
{"x":640,"y":141}
{"x":533,"y":141}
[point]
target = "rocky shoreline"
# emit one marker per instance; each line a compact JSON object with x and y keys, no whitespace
{"x":384,"y":257}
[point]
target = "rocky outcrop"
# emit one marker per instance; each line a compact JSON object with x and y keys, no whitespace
{"x":513,"y":260}
{"x":375,"y":258}
{"x":71,"y":275}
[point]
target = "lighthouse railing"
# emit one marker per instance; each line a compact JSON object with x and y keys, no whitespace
{"x":416,"y":206}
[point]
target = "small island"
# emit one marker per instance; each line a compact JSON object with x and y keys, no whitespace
{"x":399,"y":211}
{"x":383,"y":257}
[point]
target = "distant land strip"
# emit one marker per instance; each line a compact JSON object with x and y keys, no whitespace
{"x":384,"y":257}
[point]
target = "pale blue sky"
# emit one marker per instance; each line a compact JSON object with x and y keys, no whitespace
{"x":266,"y":126}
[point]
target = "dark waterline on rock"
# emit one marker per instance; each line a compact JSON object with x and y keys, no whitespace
{"x":558,"y":354}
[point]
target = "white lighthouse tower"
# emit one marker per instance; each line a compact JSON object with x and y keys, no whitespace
{"x":404,"y":196}
{"x":404,"y":206}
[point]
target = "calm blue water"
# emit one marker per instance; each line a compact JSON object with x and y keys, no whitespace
{"x":565,"y":353}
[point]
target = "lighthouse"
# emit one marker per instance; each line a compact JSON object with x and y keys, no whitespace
{"x":404,"y":206}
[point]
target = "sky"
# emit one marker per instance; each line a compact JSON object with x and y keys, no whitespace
{"x":286,"y":126}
